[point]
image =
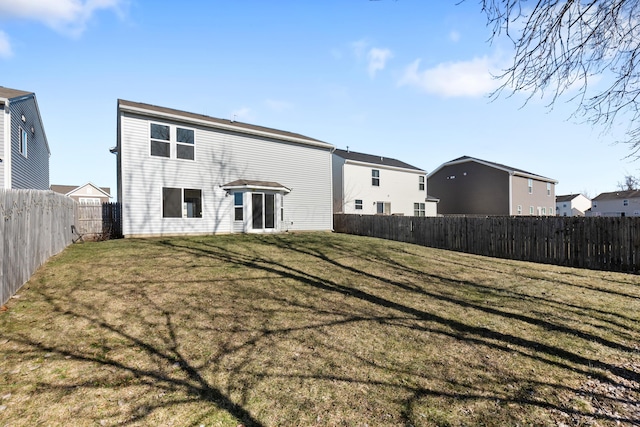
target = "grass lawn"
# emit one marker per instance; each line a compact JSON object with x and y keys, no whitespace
{"x":316,"y":329}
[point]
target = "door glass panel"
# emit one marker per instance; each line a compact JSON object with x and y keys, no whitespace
{"x":269,"y":210}
{"x":256,"y":210}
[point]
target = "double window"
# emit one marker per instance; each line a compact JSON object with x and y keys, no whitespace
{"x":161,"y":141}
{"x":358,"y":204}
{"x":375,"y":177}
{"x":418,"y":209}
{"x":181,"y":203}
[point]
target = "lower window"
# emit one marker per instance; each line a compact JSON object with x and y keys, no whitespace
{"x":418,"y":209}
{"x":181,"y":203}
{"x":358,"y":204}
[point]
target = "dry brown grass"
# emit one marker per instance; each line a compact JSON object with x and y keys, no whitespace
{"x":316,"y":329}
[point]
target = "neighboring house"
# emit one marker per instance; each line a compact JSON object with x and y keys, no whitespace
{"x":185,"y":173}
{"x":368,"y":184}
{"x":24,"y":150}
{"x":87,"y":194}
{"x":470,"y":186}
{"x":616,"y":203}
{"x":572,"y":205}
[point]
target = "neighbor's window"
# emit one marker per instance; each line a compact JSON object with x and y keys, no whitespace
{"x":237,"y":207}
{"x":625,"y":202}
{"x":383,"y":208}
{"x":181,"y":203}
{"x":519,"y":209}
{"x":418,"y":209}
{"x":24,"y":137}
{"x":531,"y":211}
{"x":544,"y":210}
{"x":375,"y":177}
{"x":185,"y":143}
{"x":530,"y":184}
{"x":548,"y":188}
{"x":160,"y":140}
{"x":358,"y":204}
{"x":421,"y":183}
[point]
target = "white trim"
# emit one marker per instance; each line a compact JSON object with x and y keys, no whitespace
{"x":7,"y":144}
{"x":249,"y":187}
{"x":207,"y":123}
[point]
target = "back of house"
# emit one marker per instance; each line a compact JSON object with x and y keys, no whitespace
{"x":185,"y":173}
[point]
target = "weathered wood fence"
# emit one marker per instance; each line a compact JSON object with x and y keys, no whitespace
{"x":35,"y":225}
{"x":99,"y":222}
{"x":598,"y":243}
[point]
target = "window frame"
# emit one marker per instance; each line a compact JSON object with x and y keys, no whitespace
{"x":23,"y":141}
{"x":419,"y":209}
{"x":530,"y":185}
{"x":548,"y":188}
{"x":358,"y":204}
{"x":182,"y":207}
{"x":238,"y":207}
{"x":375,"y":177}
{"x":421,"y":183}
{"x":174,"y":148}
{"x":191,"y":145}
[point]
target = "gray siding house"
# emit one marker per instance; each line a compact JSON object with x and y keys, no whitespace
{"x":616,"y":204}
{"x":186,"y":173}
{"x":24,"y":149}
{"x":470,"y":186}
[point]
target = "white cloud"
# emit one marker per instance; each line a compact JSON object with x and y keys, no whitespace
{"x":454,"y":79}
{"x":454,"y":36}
{"x":278,"y":106}
{"x":377,"y":60}
{"x":5,"y":46}
{"x":67,"y":16}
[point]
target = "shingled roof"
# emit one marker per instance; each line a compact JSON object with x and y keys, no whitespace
{"x":376,"y":160}
{"x":509,"y":169}
{"x":216,"y":122}
{"x":616,"y":195}
{"x":7,"y":93}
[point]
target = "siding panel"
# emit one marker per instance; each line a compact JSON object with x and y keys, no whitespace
{"x":31,"y":172}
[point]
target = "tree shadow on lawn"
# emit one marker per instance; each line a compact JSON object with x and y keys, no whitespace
{"x":242,"y":359}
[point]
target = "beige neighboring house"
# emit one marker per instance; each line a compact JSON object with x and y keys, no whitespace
{"x":470,"y":186}
{"x":87,"y":194}
{"x":572,"y":205}
{"x":616,"y":203}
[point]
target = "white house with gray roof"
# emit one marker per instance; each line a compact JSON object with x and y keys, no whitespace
{"x":186,"y":173}
{"x":616,"y":204}
{"x":24,"y":149}
{"x":368,"y":184}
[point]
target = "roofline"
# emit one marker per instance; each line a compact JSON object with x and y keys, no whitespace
{"x":256,"y":187}
{"x":177,"y":116}
{"x":8,"y":101}
{"x":379,"y":166}
{"x":495,"y":166}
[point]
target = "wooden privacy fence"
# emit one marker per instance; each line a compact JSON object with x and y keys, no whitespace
{"x":99,"y":222}
{"x":35,"y":225}
{"x":600,"y":243}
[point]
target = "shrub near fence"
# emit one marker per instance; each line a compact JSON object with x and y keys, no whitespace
{"x":35,"y":225}
{"x":601,"y":243}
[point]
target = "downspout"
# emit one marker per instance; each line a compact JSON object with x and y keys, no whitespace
{"x":510,"y":193}
{"x":331,"y":151}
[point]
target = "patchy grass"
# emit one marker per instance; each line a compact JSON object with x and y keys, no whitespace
{"x":316,"y":329}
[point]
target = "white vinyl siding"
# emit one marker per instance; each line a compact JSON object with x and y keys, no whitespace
{"x":222,"y":157}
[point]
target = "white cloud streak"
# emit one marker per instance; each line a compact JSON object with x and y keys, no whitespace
{"x":377,"y":60}
{"x":65,"y":16}
{"x":453,"y":79}
{"x":5,"y":46}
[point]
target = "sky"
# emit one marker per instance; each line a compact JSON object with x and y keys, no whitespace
{"x":405,"y":79}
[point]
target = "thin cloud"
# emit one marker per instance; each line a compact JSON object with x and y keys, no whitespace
{"x":453,"y":79}
{"x":454,"y":36}
{"x":65,"y":16}
{"x":377,"y":60}
{"x":5,"y":46}
{"x":278,"y":106}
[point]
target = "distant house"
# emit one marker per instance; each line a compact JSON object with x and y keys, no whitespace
{"x":87,"y":194}
{"x":572,"y":205}
{"x":471,"y":186}
{"x":24,"y":149}
{"x":616,"y":203}
{"x":368,"y":184}
{"x":186,"y":173}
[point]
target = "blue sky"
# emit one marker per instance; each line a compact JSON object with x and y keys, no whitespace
{"x":406,"y":79}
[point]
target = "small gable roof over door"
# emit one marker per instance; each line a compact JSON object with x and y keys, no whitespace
{"x":247,"y":184}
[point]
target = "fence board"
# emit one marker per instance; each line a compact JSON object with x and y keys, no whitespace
{"x":599,"y":243}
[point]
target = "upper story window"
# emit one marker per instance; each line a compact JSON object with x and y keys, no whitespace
{"x":24,"y":138}
{"x":162,"y":137}
{"x":625,"y":202}
{"x":375,"y":177}
{"x":421,"y":183}
{"x":548,"y":188}
{"x":530,"y":185}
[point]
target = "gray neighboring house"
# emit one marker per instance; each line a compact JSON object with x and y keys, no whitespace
{"x":24,"y":149}
{"x":616,"y":204}
{"x":87,"y":194}
{"x":471,"y":186}
{"x":572,"y":205}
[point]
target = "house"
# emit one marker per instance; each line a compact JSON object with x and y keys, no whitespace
{"x":471,"y":186}
{"x":368,"y":184}
{"x":186,"y":173}
{"x":572,"y":205}
{"x":616,"y":203}
{"x":87,"y":194}
{"x":24,"y":149}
